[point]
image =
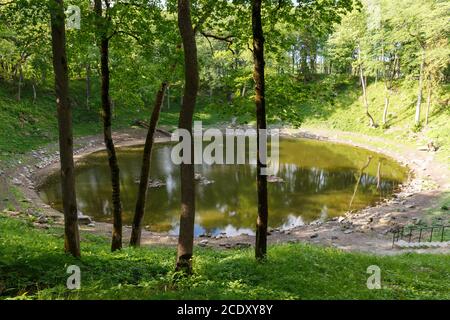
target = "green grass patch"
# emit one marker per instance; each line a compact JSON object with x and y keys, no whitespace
{"x":33,"y":266}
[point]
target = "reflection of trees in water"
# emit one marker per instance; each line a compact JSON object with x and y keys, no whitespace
{"x":230,"y":202}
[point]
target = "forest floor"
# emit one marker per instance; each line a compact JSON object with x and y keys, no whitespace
{"x":34,"y":266}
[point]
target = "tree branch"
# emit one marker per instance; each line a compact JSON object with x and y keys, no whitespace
{"x":228,"y":39}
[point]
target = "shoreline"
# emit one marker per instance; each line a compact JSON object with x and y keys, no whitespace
{"x":366,"y":230}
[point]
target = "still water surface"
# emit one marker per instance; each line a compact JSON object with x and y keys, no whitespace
{"x":320,"y":182}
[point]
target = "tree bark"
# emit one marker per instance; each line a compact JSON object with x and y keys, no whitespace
{"x":34,"y":92}
{"x":429,"y":94}
{"x":88,"y":84}
{"x":386,"y":106}
{"x":420,"y":89}
{"x":186,"y":236}
{"x":116,"y":242}
{"x":363,"y":80}
{"x":366,"y":103}
{"x":145,"y":169}
{"x":168,"y":97}
{"x":19,"y":89}
{"x":71,"y":233}
{"x":258,"y":76}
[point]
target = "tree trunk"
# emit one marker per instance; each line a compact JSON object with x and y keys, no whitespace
{"x":386,"y":98}
{"x":168,"y":97}
{"x":186,"y":236}
{"x":107,"y":134}
{"x":429,"y":94}
{"x":366,"y":103}
{"x":258,"y":75}
{"x":304,"y":69}
{"x":19,"y":89}
{"x":385,"y":111}
{"x":145,"y":169}
{"x":34,"y":92}
{"x":88,"y":84}
{"x":420,"y":89}
{"x":71,"y":234}
{"x":386,"y":76}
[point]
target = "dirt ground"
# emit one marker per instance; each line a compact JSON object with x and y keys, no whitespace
{"x":368,"y":230}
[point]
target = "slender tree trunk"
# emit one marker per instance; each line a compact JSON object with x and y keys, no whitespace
{"x":19,"y":89}
{"x":258,"y":75}
{"x":34,"y":92}
{"x":71,"y":234}
{"x":186,"y":237}
{"x":168,"y":97}
{"x":145,"y":168}
{"x":420,"y":89}
{"x":386,"y":106}
{"x":429,"y":95}
{"x":88,"y":84}
{"x":293,"y":61}
{"x":366,"y":103}
{"x":313,"y":58}
{"x":107,"y":134}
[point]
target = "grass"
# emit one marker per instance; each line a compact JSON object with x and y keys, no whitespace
{"x":33,"y":266}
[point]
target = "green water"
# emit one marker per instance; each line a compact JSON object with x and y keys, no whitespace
{"x":320,"y":180}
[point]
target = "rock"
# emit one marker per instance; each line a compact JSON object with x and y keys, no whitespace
{"x":242,"y":245}
{"x":42,"y":219}
{"x":17,"y":182}
{"x":334,"y":237}
{"x":348,"y":231}
{"x":202,"y":180}
{"x":82,"y":219}
{"x":156,"y":183}
{"x":41,"y":226}
{"x":274,"y":179}
{"x":386,"y":220}
{"x":11,"y":213}
{"x":314,"y":235}
{"x":410,"y":206}
{"x":203,"y":243}
{"x":341,"y":219}
{"x":152,"y":183}
{"x":205,"y":235}
{"x":92,"y":225}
